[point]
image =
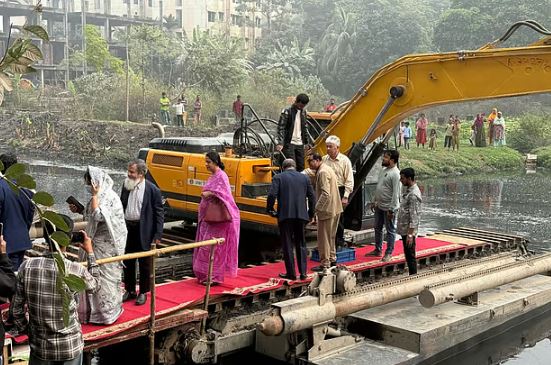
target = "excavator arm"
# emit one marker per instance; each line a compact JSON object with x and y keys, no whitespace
{"x":425,"y":80}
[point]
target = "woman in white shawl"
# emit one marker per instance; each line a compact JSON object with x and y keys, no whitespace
{"x":107,"y":228}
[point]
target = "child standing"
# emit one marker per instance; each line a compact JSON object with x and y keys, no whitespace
{"x":407,"y":135}
{"x":432,"y":139}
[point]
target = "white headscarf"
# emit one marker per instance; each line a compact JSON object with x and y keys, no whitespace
{"x":110,"y":207}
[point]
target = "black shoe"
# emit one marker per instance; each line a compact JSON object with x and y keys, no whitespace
{"x":287,"y":277}
{"x":374,"y":253}
{"x":303,"y":277}
{"x":129,"y":295}
{"x":319,"y":268}
{"x":142,"y":298}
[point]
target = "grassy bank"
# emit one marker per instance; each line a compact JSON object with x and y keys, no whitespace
{"x":467,"y":160}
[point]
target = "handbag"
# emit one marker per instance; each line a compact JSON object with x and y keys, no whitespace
{"x":217,"y":212}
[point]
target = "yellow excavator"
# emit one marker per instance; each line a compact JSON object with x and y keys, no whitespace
{"x":396,"y":91}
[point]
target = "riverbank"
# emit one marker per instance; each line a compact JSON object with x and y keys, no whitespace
{"x":45,"y":136}
{"x":468,"y":160}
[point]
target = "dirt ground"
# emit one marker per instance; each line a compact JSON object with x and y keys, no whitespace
{"x":47,"y":137}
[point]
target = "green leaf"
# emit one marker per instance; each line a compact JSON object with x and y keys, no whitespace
{"x":60,"y":263}
{"x":55,"y":219}
{"x":1,"y":164}
{"x":32,"y":52}
{"x":26,"y":181}
{"x":45,"y":199}
{"x":15,"y":170}
{"x":75,"y":283}
{"x":38,"y":31}
{"x":61,"y":238}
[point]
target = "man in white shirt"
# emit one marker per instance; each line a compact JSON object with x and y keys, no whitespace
{"x":292,"y":136}
{"x":342,"y":167}
{"x":144,"y":215}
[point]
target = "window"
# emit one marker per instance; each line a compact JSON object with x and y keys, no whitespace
{"x":179,"y":15}
{"x":258,"y":22}
{"x":234,"y":19}
{"x":135,"y":2}
{"x":211,"y":16}
{"x":178,"y":2}
{"x":221,"y":17}
{"x":150,"y":3}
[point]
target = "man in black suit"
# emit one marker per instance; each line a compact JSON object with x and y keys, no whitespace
{"x":292,"y":189}
{"x":144,"y":215}
{"x":292,"y":135}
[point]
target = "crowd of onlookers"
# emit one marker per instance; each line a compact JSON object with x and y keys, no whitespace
{"x":484,"y":131}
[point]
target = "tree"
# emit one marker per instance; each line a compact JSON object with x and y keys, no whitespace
{"x":97,"y":53}
{"x":214,"y":62}
{"x":294,"y":59}
{"x":469,"y":24}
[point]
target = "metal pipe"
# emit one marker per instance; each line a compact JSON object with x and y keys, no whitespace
{"x":152,"y":303}
{"x":448,"y":291}
{"x":158,"y":251}
{"x":395,"y":93}
{"x":372,"y":296}
{"x":207,"y":289}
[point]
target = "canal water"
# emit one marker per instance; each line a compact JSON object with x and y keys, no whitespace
{"x":513,"y":203}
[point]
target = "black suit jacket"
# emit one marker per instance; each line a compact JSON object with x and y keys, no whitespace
{"x":152,"y":214}
{"x":291,"y":189}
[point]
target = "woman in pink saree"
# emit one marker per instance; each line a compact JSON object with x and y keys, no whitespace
{"x":226,"y":254}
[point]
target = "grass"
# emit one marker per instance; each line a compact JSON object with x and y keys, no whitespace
{"x":443,"y":162}
{"x":544,"y":156}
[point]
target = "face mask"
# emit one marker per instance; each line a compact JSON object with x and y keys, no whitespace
{"x":89,"y":189}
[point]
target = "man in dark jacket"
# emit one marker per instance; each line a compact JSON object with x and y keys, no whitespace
{"x":292,"y":190}
{"x":144,"y":215}
{"x":292,"y":135}
{"x":16,"y":213}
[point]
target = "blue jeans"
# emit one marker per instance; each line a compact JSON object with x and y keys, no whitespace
{"x":165,"y":117}
{"x":36,"y":361}
{"x":381,"y":220}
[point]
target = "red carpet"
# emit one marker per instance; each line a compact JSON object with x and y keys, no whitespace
{"x":178,"y":295}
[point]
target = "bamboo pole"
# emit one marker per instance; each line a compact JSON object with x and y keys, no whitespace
{"x":158,"y":251}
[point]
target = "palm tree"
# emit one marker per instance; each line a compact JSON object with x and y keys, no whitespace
{"x":338,"y":42}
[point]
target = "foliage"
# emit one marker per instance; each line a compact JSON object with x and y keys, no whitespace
{"x":469,"y":24}
{"x":214,"y":62}
{"x":528,"y":132}
{"x":97,"y":53}
{"x":20,"y":56}
{"x":293,"y":59}
{"x":153,"y":53}
{"x":544,"y":156}
{"x":17,"y":178}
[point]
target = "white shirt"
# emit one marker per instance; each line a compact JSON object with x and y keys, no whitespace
{"x":179,"y":108}
{"x":297,"y":131}
{"x":135,"y":202}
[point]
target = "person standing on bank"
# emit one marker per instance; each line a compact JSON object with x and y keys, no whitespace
{"x":292,"y":136}
{"x":386,"y":204}
{"x":408,"y":216}
{"x":292,"y":190}
{"x":144,"y":216}
{"x":342,"y":167}
{"x":328,"y":211}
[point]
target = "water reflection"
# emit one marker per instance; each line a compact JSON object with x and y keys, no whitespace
{"x":517,"y":204}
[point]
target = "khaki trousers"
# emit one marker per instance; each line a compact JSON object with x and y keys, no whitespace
{"x":327,"y":230}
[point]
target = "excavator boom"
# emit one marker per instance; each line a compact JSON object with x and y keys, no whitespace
{"x":434,"y":79}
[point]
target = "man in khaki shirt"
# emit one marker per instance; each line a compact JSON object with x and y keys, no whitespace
{"x":328,"y":211}
{"x":342,"y":167}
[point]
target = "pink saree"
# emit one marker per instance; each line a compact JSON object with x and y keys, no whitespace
{"x":225,"y":255}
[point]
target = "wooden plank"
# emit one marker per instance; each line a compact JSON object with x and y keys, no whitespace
{"x":455,"y":239}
